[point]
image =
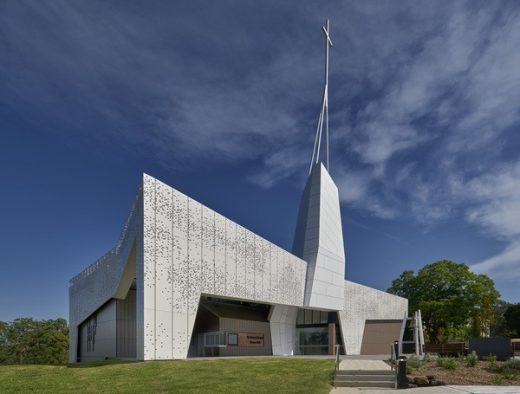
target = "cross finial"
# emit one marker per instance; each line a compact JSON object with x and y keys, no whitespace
{"x":324,"y":115}
{"x":326,"y":32}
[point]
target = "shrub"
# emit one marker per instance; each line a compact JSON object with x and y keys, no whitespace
{"x":508,"y":373}
{"x":472,"y":359}
{"x":414,"y":362}
{"x":430,"y":357}
{"x":490,"y":357}
{"x":513,"y":364}
{"x":447,"y":362}
{"x":510,"y":369}
{"x":498,"y":380}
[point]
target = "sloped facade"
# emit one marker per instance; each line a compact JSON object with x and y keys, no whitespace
{"x":140,"y":300}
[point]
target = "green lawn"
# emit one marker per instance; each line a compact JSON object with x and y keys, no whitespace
{"x":244,"y":375}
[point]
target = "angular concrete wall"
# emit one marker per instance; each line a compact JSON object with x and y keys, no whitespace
{"x":191,"y":250}
{"x":319,"y":241}
{"x":126,"y":325}
{"x":177,"y":249}
{"x":100,"y":342}
{"x":365,"y":303}
{"x":282,"y":319}
{"x":109,"y":277}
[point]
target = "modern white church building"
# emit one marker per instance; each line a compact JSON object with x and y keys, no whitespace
{"x":184,"y":281}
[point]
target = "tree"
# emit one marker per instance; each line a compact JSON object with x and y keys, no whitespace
{"x":499,"y":327}
{"x":512,"y":317}
{"x":452,"y":299}
{"x":28,"y":341}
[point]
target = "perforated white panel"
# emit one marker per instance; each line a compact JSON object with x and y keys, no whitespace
{"x":100,"y":281}
{"x":211,"y":255}
{"x":362,"y":303}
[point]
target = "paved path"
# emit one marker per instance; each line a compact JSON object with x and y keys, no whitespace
{"x":356,"y":363}
{"x":364,"y":365}
{"x":432,"y":390}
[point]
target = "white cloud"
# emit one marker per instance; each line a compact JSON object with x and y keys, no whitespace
{"x":505,"y":265}
{"x":424,"y":95}
{"x":353,"y":186}
{"x":496,"y":198}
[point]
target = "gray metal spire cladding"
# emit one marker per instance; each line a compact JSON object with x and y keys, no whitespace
{"x":324,"y":106}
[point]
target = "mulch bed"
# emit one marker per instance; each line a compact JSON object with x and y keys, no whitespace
{"x":484,"y":373}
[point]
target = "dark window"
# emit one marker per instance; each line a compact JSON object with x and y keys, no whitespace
{"x":91,"y":332}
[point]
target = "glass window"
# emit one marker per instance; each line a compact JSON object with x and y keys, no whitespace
{"x":313,"y":340}
{"x":316,"y":317}
{"x":324,"y":317}
{"x":233,"y":339}
{"x":308,"y":316}
{"x":301,"y":316}
{"x":214,"y":339}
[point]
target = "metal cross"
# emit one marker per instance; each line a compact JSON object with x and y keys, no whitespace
{"x":326,"y":32}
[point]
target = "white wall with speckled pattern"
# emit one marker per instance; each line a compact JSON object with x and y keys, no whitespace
{"x":365,"y":303}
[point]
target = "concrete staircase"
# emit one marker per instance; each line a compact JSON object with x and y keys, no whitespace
{"x":364,"y":378}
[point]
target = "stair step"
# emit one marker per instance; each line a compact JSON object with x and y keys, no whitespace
{"x":364,"y":372}
{"x":387,"y":378}
{"x":359,"y":383}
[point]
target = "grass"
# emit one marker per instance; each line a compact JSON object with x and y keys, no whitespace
{"x":243,"y":375}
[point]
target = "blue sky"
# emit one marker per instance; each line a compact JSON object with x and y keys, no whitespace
{"x":221,"y":99}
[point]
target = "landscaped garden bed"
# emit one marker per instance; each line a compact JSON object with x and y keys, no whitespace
{"x":466,"y":371}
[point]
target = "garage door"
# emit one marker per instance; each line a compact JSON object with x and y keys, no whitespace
{"x":379,"y":335}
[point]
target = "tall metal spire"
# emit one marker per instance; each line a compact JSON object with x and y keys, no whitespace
{"x":324,"y":106}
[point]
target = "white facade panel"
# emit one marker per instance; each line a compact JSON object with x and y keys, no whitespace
{"x":220,"y":254}
{"x":180,"y":278}
{"x":266,"y":269}
{"x":282,"y":321}
{"x":241,"y":262}
{"x":208,"y":251}
{"x":231,"y":257}
{"x":101,"y":341}
{"x":364,"y":303}
{"x":101,"y":281}
{"x":258,"y":268}
{"x":208,"y":254}
{"x":194,"y":262}
{"x":249,"y":251}
{"x":183,"y":249}
{"x":163,"y":272}
{"x":319,"y":241}
{"x":149,"y":247}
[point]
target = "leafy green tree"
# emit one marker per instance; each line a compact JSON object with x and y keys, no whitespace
{"x":512,"y":317}
{"x":3,"y":341}
{"x":29,"y":341}
{"x":453,"y":300}
{"x":499,"y":326}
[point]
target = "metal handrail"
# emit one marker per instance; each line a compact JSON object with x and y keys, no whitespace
{"x":336,"y":362}
{"x":393,"y":363}
{"x":337,"y":357}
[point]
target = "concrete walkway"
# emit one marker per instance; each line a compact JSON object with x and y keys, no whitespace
{"x":432,"y":390}
{"x":363,"y":365}
{"x":372,"y":364}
